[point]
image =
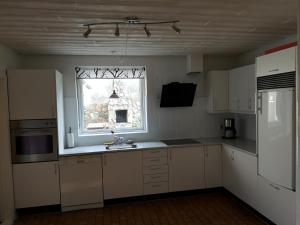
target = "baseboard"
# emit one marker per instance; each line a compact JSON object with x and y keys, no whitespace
{"x":78,"y":207}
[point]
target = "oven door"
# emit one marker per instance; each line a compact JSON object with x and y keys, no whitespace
{"x":34,"y":145}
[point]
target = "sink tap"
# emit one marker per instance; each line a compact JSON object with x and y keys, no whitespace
{"x":117,"y":140}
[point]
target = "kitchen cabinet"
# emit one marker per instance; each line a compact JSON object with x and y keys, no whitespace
{"x":242,"y":89}
{"x":36,"y":184}
{"x":122,"y":174}
{"x":32,"y":94}
{"x":213,"y":166}
{"x":276,"y":203}
{"x":155,"y":171}
{"x":277,"y":62}
{"x":81,"y":182}
{"x":240,"y":174}
{"x":186,"y":168}
{"x":218,"y":93}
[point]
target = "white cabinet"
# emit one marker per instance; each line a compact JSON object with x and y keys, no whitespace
{"x":122,"y":174}
{"x":278,"y":62}
{"x":242,"y":89}
{"x":186,"y":168}
{"x":32,"y":94}
{"x":81,"y":182}
{"x":276,"y":203}
{"x":36,"y":184}
{"x":217,"y":83}
{"x":213,"y":166}
{"x":240,"y":174}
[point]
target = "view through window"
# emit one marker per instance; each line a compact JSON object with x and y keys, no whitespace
{"x":98,"y":112}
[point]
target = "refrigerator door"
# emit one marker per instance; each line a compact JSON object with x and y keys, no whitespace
{"x":276,"y":130}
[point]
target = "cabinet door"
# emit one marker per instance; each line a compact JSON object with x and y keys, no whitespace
{"x":36,"y":184}
{"x":233,"y":91}
{"x":246,"y":177}
{"x":276,"y":203}
{"x":213,"y":166}
{"x":81,"y":180}
{"x":230,"y":170}
{"x":278,"y":62}
{"x":31,"y":94}
{"x":251,"y":88}
{"x":186,"y":169}
{"x":218,"y":91}
{"x":122,"y":174}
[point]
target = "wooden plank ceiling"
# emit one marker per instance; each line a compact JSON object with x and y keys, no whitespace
{"x":208,"y":26}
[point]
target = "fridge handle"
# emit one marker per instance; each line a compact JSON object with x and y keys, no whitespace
{"x":259,"y":102}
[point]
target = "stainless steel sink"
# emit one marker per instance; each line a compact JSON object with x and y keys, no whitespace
{"x":120,"y":146}
{"x":181,"y":141}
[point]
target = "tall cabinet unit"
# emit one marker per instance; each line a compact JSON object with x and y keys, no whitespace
{"x":36,"y":95}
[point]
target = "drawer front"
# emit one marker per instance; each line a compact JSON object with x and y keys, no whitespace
{"x":155,"y":161}
{"x":155,"y":178}
{"x":155,"y":153}
{"x":157,"y":169}
{"x":156,"y":188}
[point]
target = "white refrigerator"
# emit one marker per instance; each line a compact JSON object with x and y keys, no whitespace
{"x":276,"y":135}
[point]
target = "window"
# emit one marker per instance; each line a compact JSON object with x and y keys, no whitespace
{"x":100,"y":113}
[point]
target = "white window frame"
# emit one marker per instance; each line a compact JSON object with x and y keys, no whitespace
{"x":83,"y":132}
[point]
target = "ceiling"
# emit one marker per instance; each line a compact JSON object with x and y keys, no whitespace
{"x":208,"y":26}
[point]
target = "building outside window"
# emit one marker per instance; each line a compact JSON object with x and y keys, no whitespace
{"x":99,"y":112}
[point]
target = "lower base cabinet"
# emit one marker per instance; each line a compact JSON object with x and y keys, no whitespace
{"x":240,"y":178}
{"x":36,"y":184}
{"x":81,"y":182}
{"x":122,"y":174}
{"x":213,"y":166}
{"x":186,"y":168}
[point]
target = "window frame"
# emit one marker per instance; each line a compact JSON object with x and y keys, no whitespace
{"x":83,"y":132}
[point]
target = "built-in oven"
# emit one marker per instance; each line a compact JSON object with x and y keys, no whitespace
{"x":34,"y":140}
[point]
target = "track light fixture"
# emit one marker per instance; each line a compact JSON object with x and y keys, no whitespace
{"x":87,"y":33}
{"x":132,"y":21}
{"x":117,"y":31}
{"x":177,"y":30}
{"x":147,"y":31}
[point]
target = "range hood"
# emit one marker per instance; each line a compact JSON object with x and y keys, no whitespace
{"x":194,"y":64}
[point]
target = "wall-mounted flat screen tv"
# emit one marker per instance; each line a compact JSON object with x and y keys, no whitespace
{"x":178,"y":94}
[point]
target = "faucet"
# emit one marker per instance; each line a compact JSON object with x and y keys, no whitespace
{"x":117,"y":140}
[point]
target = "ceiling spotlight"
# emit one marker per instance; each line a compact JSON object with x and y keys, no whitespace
{"x":117,"y":31}
{"x":87,"y":33}
{"x":177,"y":30}
{"x":147,"y":31}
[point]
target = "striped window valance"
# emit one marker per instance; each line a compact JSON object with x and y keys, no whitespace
{"x":110,"y":72}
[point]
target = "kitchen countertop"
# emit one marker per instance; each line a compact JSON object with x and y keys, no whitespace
{"x":245,"y":145}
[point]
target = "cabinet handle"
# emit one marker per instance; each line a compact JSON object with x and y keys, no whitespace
{"x":274,"y":70}
{"x":232,"y":155}
{"x":155,"y":151}
{"x":80,"y":161}
{"x":156,"y":168}
{"x":55,"y":168}
{"x":170,"y":154}
{"x":275,"y":187}
{"x":259,"y":102}
{"x":154,"y":160}
{"x":155,"y":177}
{"x":156,"y":185}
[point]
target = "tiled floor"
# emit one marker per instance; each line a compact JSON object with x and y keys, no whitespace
{"x":218,"y":208}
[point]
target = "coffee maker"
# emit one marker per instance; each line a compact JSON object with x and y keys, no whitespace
{"x":229,"y":129}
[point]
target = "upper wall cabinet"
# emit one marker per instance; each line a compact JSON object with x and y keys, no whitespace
{"x":32,"y":94}
{"x":242,"y":89}
{"x":277,"y":62}
{"x":217,"y":83}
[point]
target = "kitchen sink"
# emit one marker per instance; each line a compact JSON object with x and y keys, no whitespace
{"x":120,"y":146}
{"x":180,"y":141}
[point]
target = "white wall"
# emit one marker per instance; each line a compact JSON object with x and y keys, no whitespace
{"x":8,"y":59}
{"x":162,"y":122}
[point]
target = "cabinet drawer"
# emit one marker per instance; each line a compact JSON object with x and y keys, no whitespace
{"x":155,"y":161}
{"x":154,"y":178}
{"x":155,"y":169}
{"x":156,"y":188}
{"x":155,"y":153}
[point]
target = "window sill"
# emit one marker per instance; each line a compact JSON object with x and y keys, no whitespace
{"x":87,"y":134}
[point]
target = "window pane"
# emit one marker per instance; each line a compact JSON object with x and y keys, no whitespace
{"x":101,"y":112}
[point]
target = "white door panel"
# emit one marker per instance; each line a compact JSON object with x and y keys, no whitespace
{"x":275,"y":132}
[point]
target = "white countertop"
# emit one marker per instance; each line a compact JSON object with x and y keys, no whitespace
{"x":245,"y":145}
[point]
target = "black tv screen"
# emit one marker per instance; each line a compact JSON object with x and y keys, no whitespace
{"x":177,"y":94}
